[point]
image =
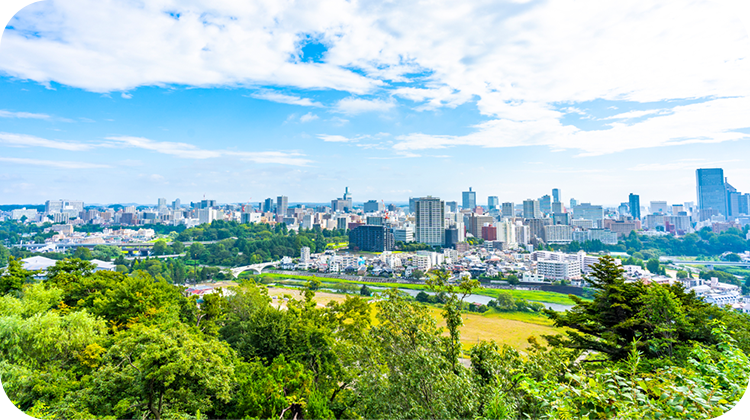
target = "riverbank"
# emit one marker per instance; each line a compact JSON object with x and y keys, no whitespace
{"x":530,"y":295}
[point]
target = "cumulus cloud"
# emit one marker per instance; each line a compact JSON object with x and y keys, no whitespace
{"x":353,"y":106}
{"x":712,"y":121}
{"x":519,"y":60}
{"x":54,"y":163}
{"x":284,"y":99}
{"x":25,"y":140}
{"x":189,"y":151}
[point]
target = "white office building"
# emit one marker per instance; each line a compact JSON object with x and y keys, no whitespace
{"x":558,"y":234}
{"x":559,"y":270}
{"x":430,"y":216}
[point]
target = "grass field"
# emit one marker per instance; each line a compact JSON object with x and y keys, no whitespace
{"x":537,"y":296}
{"x":504,"y":328}
{"x":511,"y":328}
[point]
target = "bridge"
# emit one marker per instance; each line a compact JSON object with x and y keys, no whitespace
{"x":258,"y":268}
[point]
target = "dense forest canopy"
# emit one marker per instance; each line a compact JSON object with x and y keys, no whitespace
{"x":85,"y":344}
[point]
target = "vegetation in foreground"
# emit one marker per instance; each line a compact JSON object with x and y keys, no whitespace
{"x":86,"y":344}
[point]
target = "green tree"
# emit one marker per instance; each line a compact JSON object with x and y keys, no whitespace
{"x":365,"y":291}
{"x":659,"y":318}
{"x":178,"y":247}
{"x":439,"y":282}
{"x":14,"y":276}
{"x":83,"y":253}
{"x":160,"y":371}
{"x":652,"y":265}
{"x":160,"y":247}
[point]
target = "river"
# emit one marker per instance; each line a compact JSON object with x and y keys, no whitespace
{"x":470,"y":298}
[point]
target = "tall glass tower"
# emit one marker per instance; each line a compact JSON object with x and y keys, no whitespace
{"x":469,"y":199}
{"x":712,"y":192}
{"x":634,"y":202}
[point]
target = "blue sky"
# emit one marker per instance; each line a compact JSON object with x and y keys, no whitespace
{"x":120,"y":102}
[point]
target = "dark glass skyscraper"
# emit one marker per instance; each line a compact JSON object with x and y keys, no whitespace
{"x":712,"y":193}
{"x":556,"y":195}
{"x":634,"y":202}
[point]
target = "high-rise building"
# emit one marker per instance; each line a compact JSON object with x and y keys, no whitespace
{"x":557,"y":207}
{"x":57,"y":206}
{"x":545,"y":204}
{"x":469,"y":199}
{"x":176,"y":204}
{"x":304,"y":254}
{"x":282,"y":204}
{"x":451,"y":206}
{"x":372,"y":238}
{"x":373,"y":206}
{"x":744,"y":204}
{"x":634,"y":203}
{"x":509,"y":210}
{"x":556,"y":198}
{"x":412,"y":200}
{"x":711,"y":191}
{"x":658,"y":207}
{"x":531,"y":209}
{"x":589,"y":212}
{"x":268,"y":205}
{"x":573,"y":202}
{"x":430,"y":217}
{"x":161,"y":204}
{"x":476,"y":222}
{"x":492,"y":203}
{"x":343,"y":204}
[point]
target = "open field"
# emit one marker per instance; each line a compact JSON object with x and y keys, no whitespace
{"x":537,"y":296}
{"x":503,"y":330}
{"x":511,"y":328}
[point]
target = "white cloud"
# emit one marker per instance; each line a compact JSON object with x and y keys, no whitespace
{"x":636,"y":114}
{"x":434,"y":97}
{"x":181,"y":150}
{"x":308,"y":117}
{"x":11,"y":114}
{"x":126,"y":95}
{"x":281,"y":158}
{"x":25,"y":140}
{"x":269,"y":95}
{"x":54,"y":163}
{"x":353,"y":106}
{"x":713,"y":121}
{"x":334,"y":138}
{"x":519,"y":59}
{"x":189,"y":151}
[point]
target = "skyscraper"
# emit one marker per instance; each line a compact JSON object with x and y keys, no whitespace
{"x":556,"y":195}
{"x":711,"y":191}
{"x":634,"y":202}
{"x":492,"y":202}
{"x":282,"y":203}
{"x":545,"y":204}
{"x":469,"y":199}
{"x":430,"y":215}
{"x":509,"y":209}
{"x":268,"y":205}
{"x":531,"y":209}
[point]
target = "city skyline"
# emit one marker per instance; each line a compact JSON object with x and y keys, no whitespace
{"x":322,"y":99}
